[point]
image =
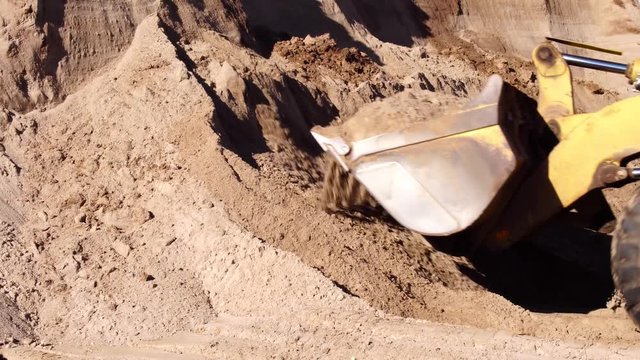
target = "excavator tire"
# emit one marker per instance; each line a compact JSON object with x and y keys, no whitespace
{"x":625,"y":257}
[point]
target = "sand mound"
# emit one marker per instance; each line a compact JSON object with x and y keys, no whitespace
{"x":167,"y":183}
{"x":48,"y":50}
{"x":320,"y":56}
{"x":53,"y":48}
{"x":189,"y":18}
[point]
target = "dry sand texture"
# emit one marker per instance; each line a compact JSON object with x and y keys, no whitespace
{"x":159,"y":192}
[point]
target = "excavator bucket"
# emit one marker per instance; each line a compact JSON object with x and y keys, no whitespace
{"x":435,"y":174}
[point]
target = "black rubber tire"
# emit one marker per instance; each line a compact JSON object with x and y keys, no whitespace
{"x":625,"y":257}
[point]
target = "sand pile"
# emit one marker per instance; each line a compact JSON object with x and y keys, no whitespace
{"x":166,"y":182}
{"x":321,"y":56}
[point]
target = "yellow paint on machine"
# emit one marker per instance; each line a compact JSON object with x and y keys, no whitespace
{"x":590,"y":141}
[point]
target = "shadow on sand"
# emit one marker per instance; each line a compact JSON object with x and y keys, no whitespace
{"x":398,"y":22}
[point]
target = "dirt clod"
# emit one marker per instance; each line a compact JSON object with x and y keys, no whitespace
{"x":121,"y":248}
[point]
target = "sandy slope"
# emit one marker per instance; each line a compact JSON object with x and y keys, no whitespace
{"x":173,"y":195}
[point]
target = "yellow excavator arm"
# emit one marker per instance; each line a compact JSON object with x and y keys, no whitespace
{"x":495,"y":169}
{"x":588,"y":156}
{"x":498,"y":168}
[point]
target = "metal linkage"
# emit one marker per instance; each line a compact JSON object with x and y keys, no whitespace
{"x":634,"y":173}
{"x":596,"y":64}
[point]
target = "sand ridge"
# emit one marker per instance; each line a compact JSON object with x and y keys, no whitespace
{"x":173,"y":194}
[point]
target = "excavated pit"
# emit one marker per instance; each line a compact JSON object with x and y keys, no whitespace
{"x":167,"y":180}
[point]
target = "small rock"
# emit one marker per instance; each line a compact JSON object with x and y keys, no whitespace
{"x":309,"y":40}
{"x":75,"y":200}
{"x":43,"y":216}
{"x":170,"y":241}
{"x":230,"y":84}
{"x":170,"y":149}
{"x":5,"y":118}
{"x":121,"y":248}
{"x":127,"y":218}
{"x":83,"y":273}
{"x":181,"y":73}
{"x":68,"y":267}
{"x":61,"y":288}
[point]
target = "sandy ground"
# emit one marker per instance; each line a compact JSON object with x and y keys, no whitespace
{"x":159,"y":191}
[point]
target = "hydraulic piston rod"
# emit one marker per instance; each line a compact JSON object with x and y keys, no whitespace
{"x":596,"y":64}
